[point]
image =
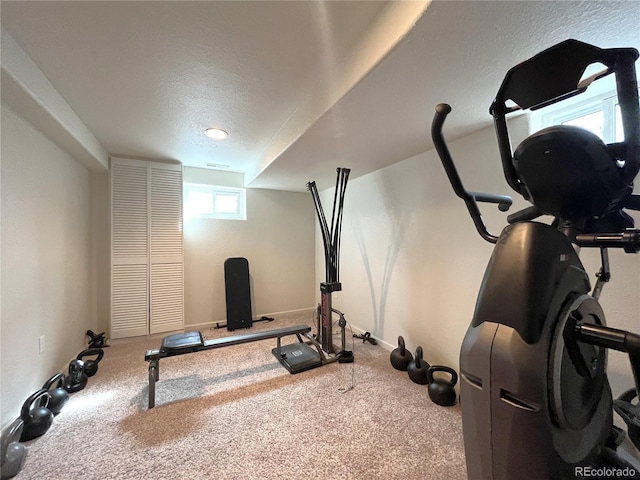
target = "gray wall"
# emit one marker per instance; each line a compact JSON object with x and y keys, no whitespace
{"x":47,"y":276}
{"x":277,"y":239}
{"x":412,"y":262}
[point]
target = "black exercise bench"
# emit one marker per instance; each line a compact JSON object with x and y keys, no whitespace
{"x":189,"y":342}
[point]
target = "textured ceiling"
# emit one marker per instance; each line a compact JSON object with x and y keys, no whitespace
{"x":301,"y":87}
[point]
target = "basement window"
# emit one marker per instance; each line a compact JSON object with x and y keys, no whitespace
{"x":213,"y":201}
{"x":600,"y":115}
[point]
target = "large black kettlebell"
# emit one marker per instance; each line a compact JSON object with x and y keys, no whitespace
{"x":440,"y":391}
{"x":417,"y":368}
{"x":12,"y":452}
{"x":91,"y":365}
{"x":76,"y":380}
{"x":57,"y":396}
{"x":400,"y":357}
{"x":36,"y":416}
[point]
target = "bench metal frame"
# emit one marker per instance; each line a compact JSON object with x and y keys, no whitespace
{"x":154,"y":356}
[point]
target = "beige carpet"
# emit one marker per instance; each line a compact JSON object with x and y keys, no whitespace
{"x":236,"y":413}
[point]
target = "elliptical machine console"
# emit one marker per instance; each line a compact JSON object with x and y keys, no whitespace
{"x":536,"y":401}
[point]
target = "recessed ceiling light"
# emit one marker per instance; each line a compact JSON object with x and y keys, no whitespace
{"x":216,"y":133}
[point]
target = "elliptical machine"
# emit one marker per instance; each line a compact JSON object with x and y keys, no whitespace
{"x":536,"y":401}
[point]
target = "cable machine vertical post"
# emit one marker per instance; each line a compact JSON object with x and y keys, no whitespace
{"x":331,"y":241}
{"x":326,"y":315}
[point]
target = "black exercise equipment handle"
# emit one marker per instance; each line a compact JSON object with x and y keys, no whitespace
{"x":331,"y":236}
{"x":470,"y":198}
{"x":628,"y":240}
{"x":529,"y":213}
{"x":326,"y":235}
{"x":627,"y":87}
{"x":615,"y":339}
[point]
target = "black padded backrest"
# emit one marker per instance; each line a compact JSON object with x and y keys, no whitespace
{"x":238,"y":293}
{"x":569,"y":173}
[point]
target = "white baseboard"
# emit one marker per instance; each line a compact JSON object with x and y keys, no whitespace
{"x":197,"y":326}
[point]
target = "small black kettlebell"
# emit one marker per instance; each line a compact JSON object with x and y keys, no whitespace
{"x":36,"y":416}
{"x":91,"y":365}
{"x":440,"y":391}
{"x":418,"y":368}
{"x":77,"y":379}
{"x":12,"y":452}
{"x":400,"y":357}
{"x":57,"y":396}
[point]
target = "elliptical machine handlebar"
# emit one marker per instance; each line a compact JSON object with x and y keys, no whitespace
{"x":471,"y":199}
{"x":628,"y":240}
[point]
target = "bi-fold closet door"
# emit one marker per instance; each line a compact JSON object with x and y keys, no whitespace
{"x":147,"y":293}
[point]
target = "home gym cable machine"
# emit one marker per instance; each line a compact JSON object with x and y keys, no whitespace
{"x":325,"y":351}
{"x":331,"y":242}
{"x":535,"y":396}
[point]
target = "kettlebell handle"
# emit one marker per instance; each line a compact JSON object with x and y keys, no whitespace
{"x":91,"y":351}
{"x":442,"y":368}
{"x":29,"y":403}
{"x":418,"y":357}
{"x":401,"y":344}
{"x":76,"y":370}
{"x":58,"y":377}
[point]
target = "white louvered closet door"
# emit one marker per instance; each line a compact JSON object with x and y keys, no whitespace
{"x":167,"y":295}
{"x":129,"y":249}
{"x":147,"y":294}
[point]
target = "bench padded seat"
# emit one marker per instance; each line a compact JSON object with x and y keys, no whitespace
{"x":181,"y":341}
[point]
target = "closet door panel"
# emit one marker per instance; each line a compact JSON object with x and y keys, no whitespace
{"x":167,"y":296}
{"x":167,"y":304}
{"x":129,"y":211}
{"x":166,"y":213}
{"x":129,"y":249}
{"x":129,"y":300}
{"x":147,"y":294}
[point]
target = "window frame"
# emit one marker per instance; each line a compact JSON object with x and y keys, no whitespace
{"x":605,"y":102}
{"x":215,"y":190}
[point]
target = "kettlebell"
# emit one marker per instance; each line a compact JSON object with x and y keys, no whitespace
{"x":417,"y":368}
{"x":13,"y":453}
{"x":440,"y":391}
{"x":400,"y":357}
{"x":91,"y":365}
{"x":57,"y":396}
{"x":77,"y":379}
{"x":36,"y":416}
